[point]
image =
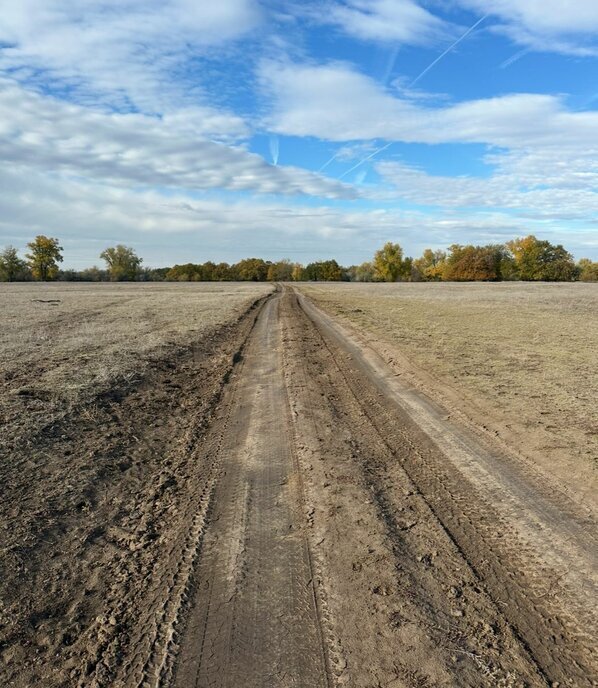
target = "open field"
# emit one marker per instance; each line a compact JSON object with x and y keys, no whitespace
{"x":63,"y":344}
{"x":260,"y":492}
{"x":517,"y":360}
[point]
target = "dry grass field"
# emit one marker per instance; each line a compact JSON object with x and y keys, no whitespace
{"x":63,"y":344}
{"x":519,"y":360}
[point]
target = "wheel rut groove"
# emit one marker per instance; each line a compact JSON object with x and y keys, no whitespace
{"x":255,"y":617}
{"x":555,"y":635}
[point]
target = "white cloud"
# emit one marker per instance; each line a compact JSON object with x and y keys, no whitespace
{"x":545,"y":25}
{"x":396,"y":21}
{"x":45,"y":134}
{"x":539,"y":184}
{"x":549,"y":25}
{"x":120,"y":49}
{"x":83,"y":170}
{"x":177,"y":228}
{"x":336,"y":103}
{"x":549,"y":16}
{"x":545,"y":166}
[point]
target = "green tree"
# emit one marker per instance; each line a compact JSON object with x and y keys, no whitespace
{"x":281,"y":271}
{"x":540,"y":260}
{"x":12,"y":268}
{"x":587,"y":270}
{"x":223,"y":272}
{"x":330,"y":271}
{"x":251,"y":270}
{"x":389,"y":264}
{"x":364,"y":272}
{"x":122,"y":263}
{"x":183,"y":273}
{"x":44,"y":257}
{"x":323,"y":271}
{"x":94,"y":274}
{"x":153,"y":274}
{"x":207,"y":271}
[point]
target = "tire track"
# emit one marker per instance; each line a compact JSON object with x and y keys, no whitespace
{"x":507,"y":566}
{"x":400,"y":615}
{"x":255,"y":619}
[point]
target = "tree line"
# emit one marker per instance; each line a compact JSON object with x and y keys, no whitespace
{"x":528,"y":259}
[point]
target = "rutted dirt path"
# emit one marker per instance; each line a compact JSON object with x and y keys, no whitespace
{"x":500,"y":570}
{"x":256,"y":620}
{"x":100,"y":515}
{"x":296,"y":517}
{"x":366,"y":541}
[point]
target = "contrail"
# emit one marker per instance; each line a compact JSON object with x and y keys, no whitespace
{"x":369,"y":157}
{"x":417,"y":78}
{"x":390,"y":65}
{"x":448,"y":50}
{"x":517,"y":56}
{"x":360,"y":176}
{"x":274,"y":149}
{"x":325,"y":165}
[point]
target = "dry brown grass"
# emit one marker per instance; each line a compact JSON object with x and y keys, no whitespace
{"x":56,"y":355}
{"x":523,"y":355}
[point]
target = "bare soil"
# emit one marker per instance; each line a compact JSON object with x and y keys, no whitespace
{"x":515,"y":361}
{"x":63,"y":344}
{"x":97,"y":473}
{"x":275,"y":506}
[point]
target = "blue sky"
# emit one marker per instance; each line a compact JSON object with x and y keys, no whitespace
{"x":215,"y":131}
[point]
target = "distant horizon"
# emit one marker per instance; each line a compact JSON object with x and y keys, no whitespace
{"x":307,"y":131}
{"x":100,"y":264}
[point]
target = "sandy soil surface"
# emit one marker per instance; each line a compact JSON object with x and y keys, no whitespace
{"x":103,"y":398}
{"x":516,"y":361}
{"x":255,"y":620}
{"x":477,"y":541}
{"x":277,"y":507}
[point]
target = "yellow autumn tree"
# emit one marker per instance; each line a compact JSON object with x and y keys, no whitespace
{"x":297,"y":272}
{"x":536,"y":259}
{"x":389,"y":265}
{"x":431,"y":265}
{"x":588,"y":270}
{"x":45,"y":254}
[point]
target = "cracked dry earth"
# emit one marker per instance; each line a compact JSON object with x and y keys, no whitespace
{"x":299,"y":517}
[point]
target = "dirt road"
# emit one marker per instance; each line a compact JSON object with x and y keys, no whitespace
{"x":313,"y":522}
{"x":256,"y":620}
{"x":363,"y":539}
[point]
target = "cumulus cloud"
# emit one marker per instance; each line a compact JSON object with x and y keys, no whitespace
{"x":88,"y":217}
{"x":547,"y":25}
{"x":337,"y":103}
{"x":538,"y":184}
{"x":396,"y":21}
{"x":544,"y":25}
{"x":121,"y":49}
{"x":46,"y":134}
{"x":135,"y":141}
{"x":543,"y":155}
